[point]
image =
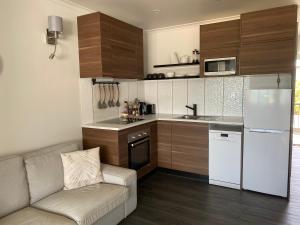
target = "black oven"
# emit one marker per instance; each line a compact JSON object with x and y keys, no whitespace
{"x":138,"y":149}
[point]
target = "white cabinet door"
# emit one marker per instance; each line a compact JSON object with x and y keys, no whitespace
{"x":225,"y":157}
{"x":265,"y":162}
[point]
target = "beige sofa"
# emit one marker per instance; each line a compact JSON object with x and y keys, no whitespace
{"x":31,"y":192}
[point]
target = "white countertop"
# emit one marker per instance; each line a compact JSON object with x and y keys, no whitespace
{"x":165,"y":117}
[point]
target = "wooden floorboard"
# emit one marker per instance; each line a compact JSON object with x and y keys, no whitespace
{"x":165,"y":199}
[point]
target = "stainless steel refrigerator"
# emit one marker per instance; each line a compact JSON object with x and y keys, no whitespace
{"x":267,"y":115}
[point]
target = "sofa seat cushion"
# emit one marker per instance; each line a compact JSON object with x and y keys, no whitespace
{"x":32,"y":216}
{"x":87,"y":204}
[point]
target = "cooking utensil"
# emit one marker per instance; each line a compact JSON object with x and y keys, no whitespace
{"x":100,"y":98}
{"x":113,"y":95}
{"x":118,"y":101}
{"x":109,"y":99}
{"x":104,"y":105}
{"x":108,"y":95}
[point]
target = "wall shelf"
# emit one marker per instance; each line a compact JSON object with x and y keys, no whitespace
{"x":174,"y":78}
{"x":177,"y":64}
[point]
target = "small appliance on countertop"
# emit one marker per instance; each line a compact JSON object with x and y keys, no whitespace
{"x":151,"y":109}
{"x":143,"y":108}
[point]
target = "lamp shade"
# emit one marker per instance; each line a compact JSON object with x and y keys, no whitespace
{"x":55,"y":24}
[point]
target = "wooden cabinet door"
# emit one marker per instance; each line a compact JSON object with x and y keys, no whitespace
{"x":124,"y":60}
{"x":164,"y":145}
{"x":109,"y":47}
{"x":190,"y":147}
{"x":220,"y":35}
{"x":89,"y":37}
{"x":269,"y":25}
{"x":268,"y":58}
{"x":268,"y":41}
{"x":108,"y":142}
{"x":125,"y":45}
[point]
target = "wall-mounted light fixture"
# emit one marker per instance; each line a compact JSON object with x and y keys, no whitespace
{"x":55,"y":28}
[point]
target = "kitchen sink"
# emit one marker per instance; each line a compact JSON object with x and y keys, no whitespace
{"x":188,"y":117}
{"x":208,"y":118}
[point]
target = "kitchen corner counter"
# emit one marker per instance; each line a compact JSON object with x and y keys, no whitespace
{"x":109,"y":125}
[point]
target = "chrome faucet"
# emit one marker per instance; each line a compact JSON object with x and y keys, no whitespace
{"x":194,"y":108}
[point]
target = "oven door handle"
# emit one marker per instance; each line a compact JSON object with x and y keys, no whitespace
{"x":139,"y":142}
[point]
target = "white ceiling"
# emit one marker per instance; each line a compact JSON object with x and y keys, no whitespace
{"x":175,"y":12}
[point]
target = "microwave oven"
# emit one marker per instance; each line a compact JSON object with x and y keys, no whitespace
{"x":220,"y":66}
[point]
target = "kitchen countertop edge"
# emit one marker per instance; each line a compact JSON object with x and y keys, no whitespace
{"x":152,"y":118}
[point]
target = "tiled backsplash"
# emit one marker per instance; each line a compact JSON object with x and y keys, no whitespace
{"x":216,"y":96}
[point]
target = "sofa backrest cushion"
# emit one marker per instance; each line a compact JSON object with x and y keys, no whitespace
{"x":45,"y":170}
{"x":14,"y":193}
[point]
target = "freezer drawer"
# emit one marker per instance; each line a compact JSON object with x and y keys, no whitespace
{"x":225,"y":158}
{"x":265,"y":161}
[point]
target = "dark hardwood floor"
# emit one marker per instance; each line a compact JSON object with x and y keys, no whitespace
{"x":165,"y":199}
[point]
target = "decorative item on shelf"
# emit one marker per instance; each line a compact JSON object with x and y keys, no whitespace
{"x":196,"y":55}
{"x":177,"y":57}
{"x":185,"y":59}
{"x":55,"y":28}
{"x":155,"y":76}
{"x":170,"y":74}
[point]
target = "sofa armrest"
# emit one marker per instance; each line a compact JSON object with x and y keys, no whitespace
{"x":125,"y":177}
{"x":117,"y":175}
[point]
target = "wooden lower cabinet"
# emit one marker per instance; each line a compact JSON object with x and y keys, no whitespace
{"x":183,"y":146}
{"x":107,"y":140}
{"x":114,"y":145}
{"x":190,"y":147}
{"x":164,"y":146}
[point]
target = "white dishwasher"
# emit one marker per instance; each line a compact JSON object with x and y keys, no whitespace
{"x":225,"y":155}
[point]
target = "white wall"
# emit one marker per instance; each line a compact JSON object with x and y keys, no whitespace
{"x":39,"y":98}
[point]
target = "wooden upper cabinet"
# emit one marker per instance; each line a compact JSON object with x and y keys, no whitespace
{"x":219,"y":40}
{"x":109,"y":47}
{"x":269,"y":25}
{"x":269,"y":41}
{"x":220,"y":35}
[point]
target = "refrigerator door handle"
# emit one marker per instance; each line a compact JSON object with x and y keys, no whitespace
{"x":264,"y":131}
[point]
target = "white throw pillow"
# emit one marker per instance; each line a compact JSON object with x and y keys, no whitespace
{"x":81,"y":168}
